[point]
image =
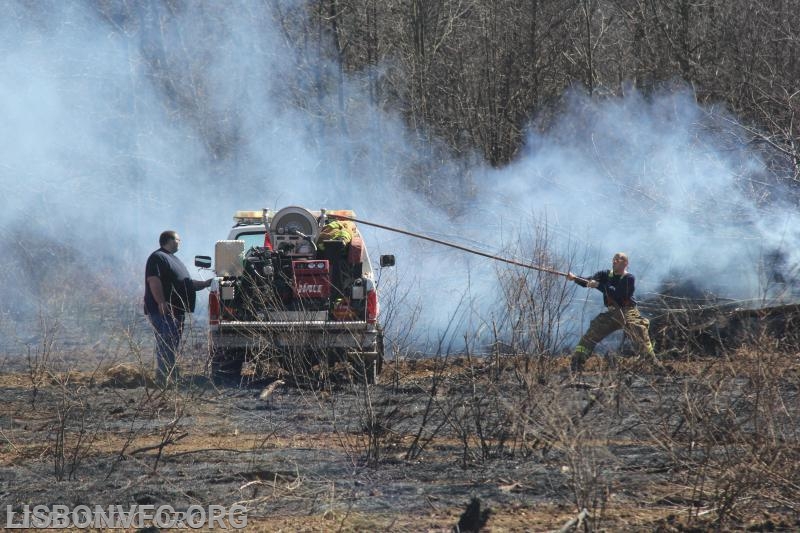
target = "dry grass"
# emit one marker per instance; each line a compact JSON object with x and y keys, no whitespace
{"x":408,"y":454}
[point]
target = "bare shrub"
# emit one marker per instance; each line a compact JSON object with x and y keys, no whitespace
{"x":429,"y":423}
{"x":72,"y":435}
{"x":379,"y":419}
{"x":535,"y":304}
{"x":731,"y":434}
{"x":40,"y":357}
{"x":478,"y":414}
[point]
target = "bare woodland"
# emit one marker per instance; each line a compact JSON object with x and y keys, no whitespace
{"x":473,"y":74}
{"x":469,"y":76}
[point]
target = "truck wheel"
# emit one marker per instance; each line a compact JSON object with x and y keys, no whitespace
{"x":373,"y":367}
{"x":379,"y":359}
{"x":226,"y":367}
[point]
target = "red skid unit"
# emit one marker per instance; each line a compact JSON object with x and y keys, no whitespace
{"x":312,"y":278}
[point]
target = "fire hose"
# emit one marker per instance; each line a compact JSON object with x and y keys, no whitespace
{"x":454,"y":245}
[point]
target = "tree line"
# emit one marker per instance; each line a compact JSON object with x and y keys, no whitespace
{"x":469,"y":77}
{"x":476,"y":73}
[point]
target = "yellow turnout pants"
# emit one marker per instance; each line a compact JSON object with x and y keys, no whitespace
{"x":636,"y":327}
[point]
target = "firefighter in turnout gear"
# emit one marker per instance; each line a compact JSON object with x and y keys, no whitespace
{"x":617,"y":286}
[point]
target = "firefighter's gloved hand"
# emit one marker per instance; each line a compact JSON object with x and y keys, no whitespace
{"x":592,"y":283}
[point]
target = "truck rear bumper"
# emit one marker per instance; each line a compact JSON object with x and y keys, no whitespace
{"x":318,"y":335}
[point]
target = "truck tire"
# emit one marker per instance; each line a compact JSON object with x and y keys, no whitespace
{"x":226,"y":367}
{"x":372,"y":368}
{"x":379,"y":360}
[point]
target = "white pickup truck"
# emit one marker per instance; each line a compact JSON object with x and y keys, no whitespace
{"x":293,"y":287}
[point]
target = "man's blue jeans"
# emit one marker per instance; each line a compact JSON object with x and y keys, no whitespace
{"x":168,"y":330}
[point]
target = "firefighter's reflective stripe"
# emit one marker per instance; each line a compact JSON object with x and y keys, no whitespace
{"x":338,"y":230}
{"x":341,"y":230}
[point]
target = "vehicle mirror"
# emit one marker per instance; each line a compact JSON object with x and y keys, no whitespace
{"x":202,"y":261}
{"x":387,"y":261}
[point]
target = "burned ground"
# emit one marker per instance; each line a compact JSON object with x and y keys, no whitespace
{"x":699,"y":444}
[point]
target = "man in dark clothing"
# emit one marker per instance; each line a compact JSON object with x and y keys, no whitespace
{"x":169,"y":293}
{"x":617,"y":286}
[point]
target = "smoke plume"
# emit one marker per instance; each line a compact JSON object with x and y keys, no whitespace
{"x":125,"y":119}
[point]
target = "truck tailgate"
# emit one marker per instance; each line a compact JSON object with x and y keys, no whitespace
{"x":357,"y":335}
{"x":305,"y":325}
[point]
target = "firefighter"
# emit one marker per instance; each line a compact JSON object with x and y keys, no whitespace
{"x":169,"y":293}
{"x":336,"y":230}
{"x":617,"y":286}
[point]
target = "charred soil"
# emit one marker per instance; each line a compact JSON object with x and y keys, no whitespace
{"x":691,"y":445}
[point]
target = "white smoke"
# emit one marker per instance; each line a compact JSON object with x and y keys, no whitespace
{"x":122,"y":121}
{"x":658,"y":178}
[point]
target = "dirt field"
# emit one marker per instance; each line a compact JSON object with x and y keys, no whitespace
{"x":698,"y":445}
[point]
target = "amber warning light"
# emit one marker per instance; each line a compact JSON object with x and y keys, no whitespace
{"x":251,"y":217}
